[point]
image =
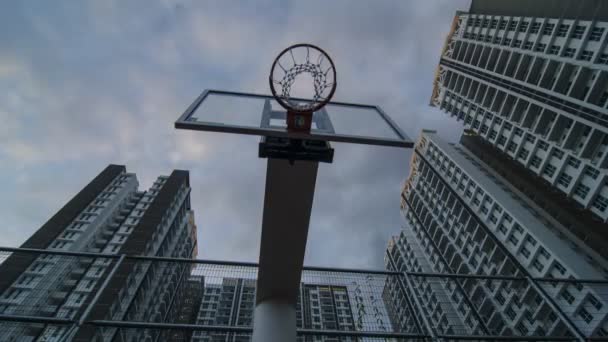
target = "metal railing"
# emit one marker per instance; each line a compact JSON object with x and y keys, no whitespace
{"x":71,"y":296}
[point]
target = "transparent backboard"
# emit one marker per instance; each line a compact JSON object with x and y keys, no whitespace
{"x":243,"y":113}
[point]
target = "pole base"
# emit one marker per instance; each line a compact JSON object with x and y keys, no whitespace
{"x":274,"y":321}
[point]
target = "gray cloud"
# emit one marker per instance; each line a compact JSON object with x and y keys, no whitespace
{"x":85,"y":85}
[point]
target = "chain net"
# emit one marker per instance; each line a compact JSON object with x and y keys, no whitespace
{"x":319,"y":74}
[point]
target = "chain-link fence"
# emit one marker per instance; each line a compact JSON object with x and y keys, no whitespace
{"x":63,"y":296}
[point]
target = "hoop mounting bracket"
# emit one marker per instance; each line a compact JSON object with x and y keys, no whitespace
{"x":299,"y":122}
{"x":296,"y":149}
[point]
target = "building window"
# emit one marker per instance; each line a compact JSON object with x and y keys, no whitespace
{"x":559,"y":268}
{"x":564,"y":180}
{"x":535,"y":161}
{"x":596,"y":34}
{"x":577,"y":285}
{"x":553,"y":50}
{"x":512,"y":25}
{"x":494,"y":24}
{"x":518,"y":132}
{"x":569,"y":52}
{"x":537,"y":265}
{"x":562,"y":30}
{"x":507,"y":42}
{"x":544,"y":253}
{"x":578,"y":32}
{"x":600,"y":202}
{"x":586,"y":55}
{"x":530,"y":138}
{"x":591,"y":172}
{"x":502,"y":140}
{"x":531,"y":240}
{"x":558,"y":154}
{"x":535,"y":28}
{"x":586,"y":316}
{"x":513,"y":240}
{"x":525,"y":252}
{"x":568,"y":297}
{"x":543,"y":145}
{"x":549,"y":170}
{"x":575,"y":163}
{"x":518,"y":228}
{"x":527,"y":46}
{"x":596,"y":303}
{"x":468,"y":193}
{"x":523,"y":27}
{"x":540,"y":47}
{"x":500,"y":298}
{"x":603,"y":58}
{"x":523,"y":154}
{"x":511,"y":147}
{"x":502,"y":229}
{"x":581,"y":191}
{"x":510,"y":313}
{"x":548,"y":29}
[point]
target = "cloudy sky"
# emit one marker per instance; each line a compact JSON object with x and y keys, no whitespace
{"x":84,"y":84}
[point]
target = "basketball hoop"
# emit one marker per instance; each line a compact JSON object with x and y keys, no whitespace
{"x":296,"y":60}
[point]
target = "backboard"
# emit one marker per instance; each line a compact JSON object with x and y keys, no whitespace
{"x":254,"y":114}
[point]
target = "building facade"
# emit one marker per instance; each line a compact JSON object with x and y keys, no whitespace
{"x":531,"y":79}
{"x":463,"y":217}
{"x":232,"y":303}
{"x":108,"y":216}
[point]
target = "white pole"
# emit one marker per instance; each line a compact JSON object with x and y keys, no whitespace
{"x":275,"y":321}
{"x":288,"y":200}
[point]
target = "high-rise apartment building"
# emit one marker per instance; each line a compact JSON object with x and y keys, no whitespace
{"x":232,"y":302}
{"x":227,"y":303}
{"x":463,"y":217}
{"x":531,"y":79}
{"x":109,"y":216}
{"x":326,"y":307}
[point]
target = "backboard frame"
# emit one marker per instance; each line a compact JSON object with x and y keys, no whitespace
{"x":185,"y":122}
